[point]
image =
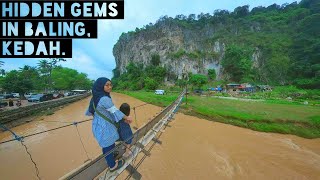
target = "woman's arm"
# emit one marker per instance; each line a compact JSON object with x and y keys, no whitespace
{"x":88,"y":113}
{"x":127,"y":119}
{"x":115,"y":113}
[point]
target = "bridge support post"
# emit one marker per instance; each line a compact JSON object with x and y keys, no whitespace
{"x":141,"y":146}
{"x":156,"y":140}
{"x":135,"y":174}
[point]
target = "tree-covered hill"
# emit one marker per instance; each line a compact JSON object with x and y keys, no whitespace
{"x":278,"y":45}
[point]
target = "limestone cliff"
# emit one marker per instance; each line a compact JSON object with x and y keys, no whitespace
{"x":275,"y":44}
{"x":181,"y":49}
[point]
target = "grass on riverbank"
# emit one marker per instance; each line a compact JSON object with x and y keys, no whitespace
{"x":301,"y":120}
{"x":298,"y":119}
{"x":150,"y":97}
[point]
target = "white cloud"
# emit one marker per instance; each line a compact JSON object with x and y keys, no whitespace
{"x":84,"y":63}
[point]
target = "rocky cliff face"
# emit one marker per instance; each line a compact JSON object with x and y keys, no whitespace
{"x":181,"y":49}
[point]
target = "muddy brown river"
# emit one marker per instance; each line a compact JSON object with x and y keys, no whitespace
{"x":191,"y":148}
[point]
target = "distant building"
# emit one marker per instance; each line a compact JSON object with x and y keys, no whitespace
{"x":245,"y":87}
{"x":233,"y":87}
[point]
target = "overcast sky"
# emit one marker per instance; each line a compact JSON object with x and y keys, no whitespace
{"x":94,"y":56}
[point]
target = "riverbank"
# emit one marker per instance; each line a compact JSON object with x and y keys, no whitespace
{"x":266,"y":116}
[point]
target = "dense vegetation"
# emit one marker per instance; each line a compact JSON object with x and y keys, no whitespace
{"x":47,"y":76}
{"x":138,"y":77}
{"x":286,"y":36}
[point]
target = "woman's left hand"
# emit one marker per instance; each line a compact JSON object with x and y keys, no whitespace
{"x":128,"y":120}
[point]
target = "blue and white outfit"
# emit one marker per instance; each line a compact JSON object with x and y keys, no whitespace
{"x":104,"y":132}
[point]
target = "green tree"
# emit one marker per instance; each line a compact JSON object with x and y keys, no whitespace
{"x":82,"y":82}
{"x":134,"y":70}
{"x":45,"y":68}
{"x":181,"y":83}
{"x":31,"y":74}
{"x":198,"y":80}
{"x":150,"y":83}
{"x":241,"y":11}
{"x":138,"y":77}
{"x":64,"y":78}
{"x":157,"y":73}
{"x":212,"y":74}
{"x":237,"y":63}
{"x":2,"y":71}
{"x":305,"y":51}
{"x":116,"y":73}
{"x":1,"y":82}
{"x":68,"y":79}
{"x":16,"y":81}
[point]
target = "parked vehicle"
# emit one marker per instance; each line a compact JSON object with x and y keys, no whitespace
{"x":159,"y":92}
{"x":78,"y":91}
{"x":27,"y":95}
{"x":68,"y":94}
{"x":57,"y":96}
{"x":3,"y":104}
{"x":16,"y":95}
{"x":35,"y":98}
{"x":8,"y":96}
{"x":46,"y":97}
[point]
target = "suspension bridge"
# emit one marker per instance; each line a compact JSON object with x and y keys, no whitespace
{"x":97,"y":168}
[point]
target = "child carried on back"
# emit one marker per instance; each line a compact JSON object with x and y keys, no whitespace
{"x":125,"y":131}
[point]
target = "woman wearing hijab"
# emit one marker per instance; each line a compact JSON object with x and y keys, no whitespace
{"x":105,"y":121}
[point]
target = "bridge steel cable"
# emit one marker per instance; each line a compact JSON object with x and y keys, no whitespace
{"x":155,"y":130}
{"x":21,"y":138}
{"x":53,"y":129}
{"x":143,"y":158}
{"x":138,"y":135}
{"x":143,"y":135}
{"x":25,"y":147}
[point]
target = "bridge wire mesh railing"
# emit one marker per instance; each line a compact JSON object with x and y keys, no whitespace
{"x":140,"y":133}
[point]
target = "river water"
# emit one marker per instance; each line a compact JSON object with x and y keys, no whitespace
{"x":191,"y":148}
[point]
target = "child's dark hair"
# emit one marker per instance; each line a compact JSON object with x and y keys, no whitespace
{"x":125,"y":109}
